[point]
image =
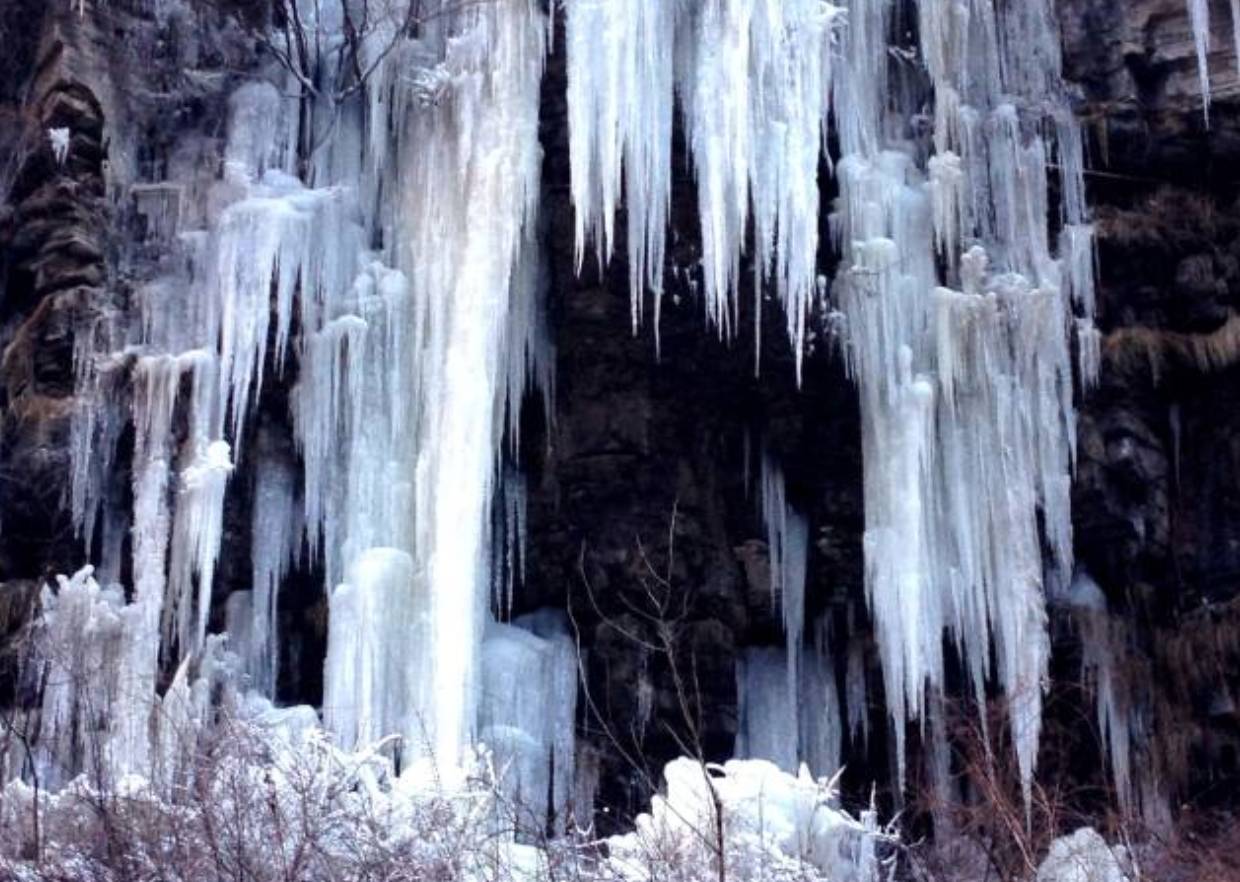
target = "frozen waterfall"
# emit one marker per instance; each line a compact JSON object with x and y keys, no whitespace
{"x":383,"y":255}
{"x":958,"y":312}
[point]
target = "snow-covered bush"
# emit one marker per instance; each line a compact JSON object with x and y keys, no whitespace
{"x":268,"y":797}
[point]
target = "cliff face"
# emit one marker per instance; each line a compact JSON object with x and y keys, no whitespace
{"x":644,"y":499}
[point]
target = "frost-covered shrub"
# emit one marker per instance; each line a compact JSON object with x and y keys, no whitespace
{"x":268,"y":798}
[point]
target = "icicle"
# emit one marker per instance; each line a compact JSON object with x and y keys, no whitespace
{"x":754,"y":79}
{"x":508,"y":567}
{"x":767,"y":725}
{"x":1099,"y":650}
{"x":620,"y":101}
{"x":1089,"y":353}
{"x":273,"y":540}
{"x":788,"y":551}
{"x":856,"y":694}
{"x":59,"y":139}
{"x":1235,"y":30}
{"x":1199,"y":21}
{"x":198,"y":525}
{"x":821,"y":721}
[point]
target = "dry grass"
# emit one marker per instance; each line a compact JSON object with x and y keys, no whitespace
{"x":1136,"y":350}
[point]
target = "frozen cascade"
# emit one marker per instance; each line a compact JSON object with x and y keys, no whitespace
{"x":412,"y":357}
{"x":959,"y":312}
{"x":412,"y":365}
{"x":469,"y":154}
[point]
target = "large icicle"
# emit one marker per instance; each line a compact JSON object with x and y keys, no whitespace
{"x":1199,"y":21}
{"x":468,"y":194}
{"x":273,"y":540}
{"x":620,"y":90}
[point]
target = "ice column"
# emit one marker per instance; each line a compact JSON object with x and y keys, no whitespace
{"x":528,"y":713}
{"x":468,"y":199}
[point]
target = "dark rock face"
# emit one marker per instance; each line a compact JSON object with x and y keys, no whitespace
{"x":644,"y":516}
{"x":1156,"y":500}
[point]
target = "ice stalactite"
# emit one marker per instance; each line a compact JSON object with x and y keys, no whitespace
{"x":787,"y":534}
{"x":822,"y":724}
{"x":274,"y":535}
{"x":1235,"y":29}
{"x":857,"y":693}
{"x":1123,"y":723}
{"x":509,"y":548}
{"x":753,"y":80}
{"x":1113,"y":718}
{"x":621,"y":56}
{"x":1199,"y":22}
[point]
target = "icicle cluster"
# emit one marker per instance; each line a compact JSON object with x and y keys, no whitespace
{"x":753,"y":79}
{"x":399,"y":275}
{"x":412,"y":358}
{"x":959,"y":313}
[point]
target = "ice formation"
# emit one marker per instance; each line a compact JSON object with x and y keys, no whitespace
{"x":1199,"y":21}
{"x":788,"y":551}
{"x":1122,"y":721}
{"x":789,"y":727}
{"x":391,"y":265}
{"x":959,"y":315}
{"x":769,"y":824}
{"x":394,"y":268}
{"x":59,"y":140}
{"x":528,"y":713}
{"x":754,"y":81}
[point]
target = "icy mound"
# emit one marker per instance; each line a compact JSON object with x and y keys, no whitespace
{"x":756,"y":818}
